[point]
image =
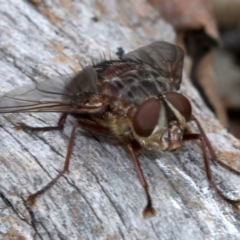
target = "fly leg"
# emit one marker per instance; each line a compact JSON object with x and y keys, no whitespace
{"x":84,"y":122}
{"x":95,"y":127}
{"x":206,"y":145}
{"x":148,"y":210}
{"x":32,"y":197}
{"x":60,"y":125}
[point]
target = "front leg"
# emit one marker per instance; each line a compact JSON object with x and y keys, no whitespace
{"x":206,"y":145}
{"x":149,"y":211}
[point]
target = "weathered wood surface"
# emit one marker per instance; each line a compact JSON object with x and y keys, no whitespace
{"x":100,"y":197}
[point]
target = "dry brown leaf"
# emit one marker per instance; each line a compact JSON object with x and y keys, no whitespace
{"x":188,"y":14}
{"x":226,"y":12}
{"x":206,"y":78}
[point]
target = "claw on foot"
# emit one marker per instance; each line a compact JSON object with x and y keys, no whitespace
{"x":19,"y":126}
{"x":149,"y":211}
{"x":31,"y":200}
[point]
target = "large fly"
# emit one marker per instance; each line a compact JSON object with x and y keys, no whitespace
{"x":133,"y":99}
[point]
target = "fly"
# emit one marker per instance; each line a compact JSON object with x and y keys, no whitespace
{"x":133,"y":99}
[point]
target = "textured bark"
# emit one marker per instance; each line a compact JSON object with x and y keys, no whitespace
{"x":100,"y":197}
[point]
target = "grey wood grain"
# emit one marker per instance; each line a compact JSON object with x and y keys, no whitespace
{"x":100,"y":197}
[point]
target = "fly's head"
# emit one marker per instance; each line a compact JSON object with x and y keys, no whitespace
{"x":159,"y":122}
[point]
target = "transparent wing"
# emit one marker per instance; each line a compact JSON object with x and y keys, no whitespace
{"x":63,"y":94}
{"x":165,"y":57}
{"x":147,"y":71}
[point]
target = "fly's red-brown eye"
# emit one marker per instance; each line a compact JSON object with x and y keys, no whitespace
{"x":146,"y":117}
{"x":181,"y":103}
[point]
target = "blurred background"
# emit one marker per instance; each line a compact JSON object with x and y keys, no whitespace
{"x":209,"y":31}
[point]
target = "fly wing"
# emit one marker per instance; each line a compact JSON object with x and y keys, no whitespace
{"x":165,"y":57}
{"x":63,"y":94}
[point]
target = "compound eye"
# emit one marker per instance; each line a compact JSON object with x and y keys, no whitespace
{"x":181,"y":103}
{"x":146,"y":117}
